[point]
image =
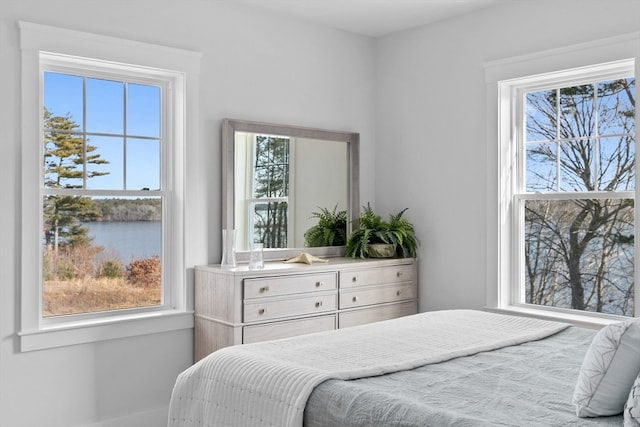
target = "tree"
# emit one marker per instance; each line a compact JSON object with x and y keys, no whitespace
{"x":65,"y":156}
{"x":62,"y":220}
{"x":579,"y":252}
{"x":271,"y":181}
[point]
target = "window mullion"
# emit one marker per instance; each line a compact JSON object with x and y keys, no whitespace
{"x":125,"y":133}
{"x":84,"y":132}
{"x":557,"y":145}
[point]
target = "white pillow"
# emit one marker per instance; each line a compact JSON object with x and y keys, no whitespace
{"x":632,"y":407}
{"x":608,"y":370}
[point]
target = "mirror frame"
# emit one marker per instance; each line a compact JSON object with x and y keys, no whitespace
{"x":229,"y":128}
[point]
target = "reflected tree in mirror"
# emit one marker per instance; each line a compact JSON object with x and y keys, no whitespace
{"x":269,"y":206}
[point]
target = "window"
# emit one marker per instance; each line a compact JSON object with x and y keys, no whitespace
{"x":575,"y":192}
{"x":103,"y":190}
{"x":263,"y":175}
{"x":565,"y":203}
{"x":269,"y":212}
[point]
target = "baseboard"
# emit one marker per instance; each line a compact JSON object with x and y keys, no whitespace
{"x":153,"y":418}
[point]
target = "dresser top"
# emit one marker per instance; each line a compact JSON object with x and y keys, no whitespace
{"x":280,"y":267}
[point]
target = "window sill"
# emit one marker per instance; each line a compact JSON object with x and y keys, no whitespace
{"x":582,"y":320}
{"x":72,"y":333}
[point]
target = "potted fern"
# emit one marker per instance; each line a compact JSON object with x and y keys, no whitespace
{"x":375,"y":237}
{"x":331,"y":229}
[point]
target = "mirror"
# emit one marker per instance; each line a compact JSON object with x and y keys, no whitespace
{"x":274,"y":177}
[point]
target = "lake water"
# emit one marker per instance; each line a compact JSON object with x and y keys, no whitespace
{"x":127,"y":239}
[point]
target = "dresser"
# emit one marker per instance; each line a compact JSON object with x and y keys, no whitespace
{"x":239,"y":306}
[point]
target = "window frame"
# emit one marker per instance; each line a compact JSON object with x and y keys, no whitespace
{"x":86,"y":68}
{"x":251,"y":201}
{"x":41,"y":46}
{"x":518,"y":88}
{"x":506,"y":82}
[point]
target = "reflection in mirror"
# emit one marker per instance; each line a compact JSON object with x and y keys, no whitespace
{"x":280,"y":181}
{"x":281,"y":176}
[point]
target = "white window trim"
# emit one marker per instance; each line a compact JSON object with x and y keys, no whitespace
{"x":35,"y":333}
{"x":502,"y":181}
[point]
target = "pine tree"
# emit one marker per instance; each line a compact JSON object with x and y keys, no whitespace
{"x":65,"y":157}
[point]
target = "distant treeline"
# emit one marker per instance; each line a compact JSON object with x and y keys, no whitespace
{"x":128,"y":209}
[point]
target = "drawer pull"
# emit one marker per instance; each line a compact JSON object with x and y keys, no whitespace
{"x":264,"y":289}
{"x":398,"y":293}
{"x":318,"y":284}
{"x":318,"y":304}
{"x":354,"y":299}
{"x":354,"y":279}
{"x":399,"y":274}
{"x":262,"y":311}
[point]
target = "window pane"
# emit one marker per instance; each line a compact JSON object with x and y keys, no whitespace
{"x":143,"y":110}
{"x":577,"y":166}
{"x":541,"y":115}
{"x":541,"y":167}
{"x":104,"y":163}
{"x":63,"y":159}
{"x":269,"y":221}
{"x":579,"y":254}
{"x":588,"y":161}
{"x":271,"y":171}
{"x":617,"y":163}
{"x":105,"y":106}
{"x":101,"y":254}
{"x":143,"y":164}
{"x":577,"y":118}
{"x":616,"y":100}
{"x":63,"y":98}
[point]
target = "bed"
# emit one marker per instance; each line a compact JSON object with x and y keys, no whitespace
{"x":442,"y":368}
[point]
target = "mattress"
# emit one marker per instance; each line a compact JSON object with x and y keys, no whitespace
{"x":529,"y":384}
{"x":268,"y":383}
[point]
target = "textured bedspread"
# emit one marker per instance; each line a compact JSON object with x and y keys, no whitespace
{"x":267,"y":384}
{"x":525,"y":385}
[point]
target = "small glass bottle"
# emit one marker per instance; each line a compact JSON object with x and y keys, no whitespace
{"x":256,"y":260}
{"x":228,"y":248}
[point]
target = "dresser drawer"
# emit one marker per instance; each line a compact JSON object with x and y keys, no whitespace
{"x":263,"y":308}
{"x":375,"y":314}
{"x":288,"y":328}
{"x":275,"y":286}
{"x":377,"y":276}
{"x":368,"y":295}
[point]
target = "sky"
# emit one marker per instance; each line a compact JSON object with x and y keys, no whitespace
{"x":107,"y":126}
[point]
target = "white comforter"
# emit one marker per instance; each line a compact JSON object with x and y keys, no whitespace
{"x":267,"y":384}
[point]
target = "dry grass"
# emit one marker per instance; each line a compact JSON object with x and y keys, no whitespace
{"x":76,"y":296}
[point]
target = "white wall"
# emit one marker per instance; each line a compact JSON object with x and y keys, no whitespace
{"x":256,"y":67}
{"x":431,"y":152}
{"x":319,"y":182}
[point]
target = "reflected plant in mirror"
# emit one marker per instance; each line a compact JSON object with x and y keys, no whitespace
{"x":275,"y":178}
{"x":331,"y":229}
